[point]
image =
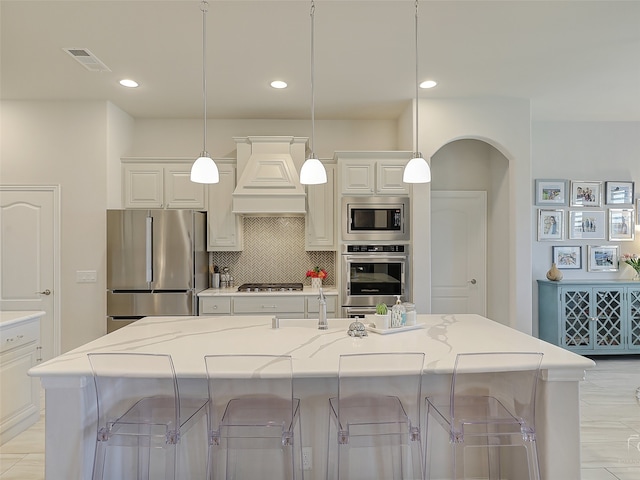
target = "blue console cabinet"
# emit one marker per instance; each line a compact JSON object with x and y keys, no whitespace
{"x":589,"y":317}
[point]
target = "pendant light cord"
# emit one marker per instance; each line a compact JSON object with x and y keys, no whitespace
{"x":416,"y":105}
{"x":312,"y":14}
{"x":204,"y":6}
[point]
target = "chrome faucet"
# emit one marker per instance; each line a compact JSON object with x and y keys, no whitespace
{"x":322,"y":312}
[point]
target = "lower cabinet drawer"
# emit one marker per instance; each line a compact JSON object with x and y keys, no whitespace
{"x":268,"y":305}
{"x":19,"y":334}
{"x":215,"y":306}
{"x":313,"y":306}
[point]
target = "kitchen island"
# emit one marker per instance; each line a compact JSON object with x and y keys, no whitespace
{"x":70,"y":400}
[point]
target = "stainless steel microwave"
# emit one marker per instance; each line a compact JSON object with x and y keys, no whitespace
{"x":375,"y":219}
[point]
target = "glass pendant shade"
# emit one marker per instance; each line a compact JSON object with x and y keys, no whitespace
{"x":204,"y":170}
{"x":417,"y":170}
{"x":313,"y":172}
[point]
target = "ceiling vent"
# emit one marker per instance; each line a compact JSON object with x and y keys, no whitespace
{"x":87,"y":59}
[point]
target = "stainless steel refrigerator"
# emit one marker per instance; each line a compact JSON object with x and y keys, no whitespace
{"x":157,"y":263}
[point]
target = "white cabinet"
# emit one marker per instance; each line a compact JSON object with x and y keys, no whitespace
{"x":372,"y":173}
{"x":320,"y":231}
{"x":224,"y":228}
{"x":20,"y":394}
{"x":214,"y":306}
{"x":284,"y":306}
{"x":154,"y":183}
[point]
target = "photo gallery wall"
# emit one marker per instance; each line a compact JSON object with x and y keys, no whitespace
{"x":596,"y":211}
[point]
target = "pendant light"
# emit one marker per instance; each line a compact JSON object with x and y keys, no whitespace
{"x":204,"y":169}
{"x":417,"y":170}
{"x":312,"y":171}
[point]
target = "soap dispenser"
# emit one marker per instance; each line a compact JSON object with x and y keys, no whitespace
{"x":398,"y":314}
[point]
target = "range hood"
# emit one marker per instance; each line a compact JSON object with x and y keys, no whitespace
{"x":268,"y":178}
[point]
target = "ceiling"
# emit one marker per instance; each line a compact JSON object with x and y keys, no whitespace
{"x":575,"y":60}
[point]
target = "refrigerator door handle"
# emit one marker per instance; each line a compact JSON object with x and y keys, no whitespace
{"x":149,"y":249}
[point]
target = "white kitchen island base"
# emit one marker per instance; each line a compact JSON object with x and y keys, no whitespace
{"x":70,"y":406}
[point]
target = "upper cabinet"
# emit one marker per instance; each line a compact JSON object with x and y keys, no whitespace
{"x":161,"y":183}
{"x":372,"y":173}
{"x":320,"y":232}
{"x":224,"y":228}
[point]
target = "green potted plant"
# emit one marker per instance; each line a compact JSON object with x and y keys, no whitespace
{"x":382,"y":317}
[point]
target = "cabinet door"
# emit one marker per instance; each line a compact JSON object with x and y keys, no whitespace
{"x":358,"y":177}
{"x":319,"y":221}
{"x":608,"y":317}
{"x":389,"y":178}
{"x":180,"y":191}
{"x":633,"y":319}
{"x":143,"y":186}
{"x":576,"y":329}
{"x":224,"y":228}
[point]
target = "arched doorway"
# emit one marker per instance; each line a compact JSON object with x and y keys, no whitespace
{"x":465,"y":166}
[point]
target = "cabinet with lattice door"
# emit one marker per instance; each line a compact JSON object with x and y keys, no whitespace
{"x":590,"y":317}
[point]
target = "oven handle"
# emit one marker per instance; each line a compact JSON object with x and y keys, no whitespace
{"x":350,"y":258}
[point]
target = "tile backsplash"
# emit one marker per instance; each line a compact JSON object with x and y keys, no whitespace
{"x":274,"y":253}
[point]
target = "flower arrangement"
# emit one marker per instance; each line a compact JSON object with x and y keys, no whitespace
{"x":317,"y":272}
{"x":633,"y":260}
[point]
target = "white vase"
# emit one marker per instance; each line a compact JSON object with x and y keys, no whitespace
{"x":316,"y":283}
{"x":382,"y":321}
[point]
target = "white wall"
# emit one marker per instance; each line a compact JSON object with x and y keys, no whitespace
{"x":588,"y":151}
{"x":65,"y":143}
{"x":183,"y":138}
{"x":504,"y":124}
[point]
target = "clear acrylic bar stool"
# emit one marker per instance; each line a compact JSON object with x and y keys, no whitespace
{"x":374,"y":422}
{"x":490,"y":407}
{"x":254,"y":419}
{"x":141,"y":417}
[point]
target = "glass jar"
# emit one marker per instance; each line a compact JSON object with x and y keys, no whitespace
{"x":410,"y":313}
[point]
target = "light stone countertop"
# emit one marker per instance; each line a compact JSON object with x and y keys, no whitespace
{"x":329,"y":290}
{"x":8,"y":318}
{"x":315,"y":352}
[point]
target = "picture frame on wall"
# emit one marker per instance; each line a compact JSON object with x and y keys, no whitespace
{"x":550,"y":225}
{"x":587,"y":224}
{"x":551,"y":192}
{"x":619,"y":193}
{"x":621,"y":224}
{"x":603,"y":258}
{"x":586,"y":194}
{"x":638,"y":211}
{"x":567,"y":258}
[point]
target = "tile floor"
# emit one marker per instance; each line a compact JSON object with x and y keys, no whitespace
{"x":610,"y":428}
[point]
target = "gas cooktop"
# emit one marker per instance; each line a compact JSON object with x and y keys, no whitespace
{"x":270,"y":287}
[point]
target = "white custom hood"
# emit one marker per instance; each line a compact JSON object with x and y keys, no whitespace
{"x":268,"y":178}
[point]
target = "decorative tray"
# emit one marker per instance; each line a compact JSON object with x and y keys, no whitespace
{"x":386,"y":331}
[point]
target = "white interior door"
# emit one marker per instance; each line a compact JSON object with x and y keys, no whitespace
{"x":458,"y":252}
{"x":29,"y":257}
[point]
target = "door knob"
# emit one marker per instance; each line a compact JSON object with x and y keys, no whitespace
{"x":46,"y":292}
{"x":473,"y":281}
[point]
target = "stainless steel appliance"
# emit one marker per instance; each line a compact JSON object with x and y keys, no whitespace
{"x":372,"y":219}
{"x":156,"y":263}
{"x":270,"y":287}
{"x":374,"y":274}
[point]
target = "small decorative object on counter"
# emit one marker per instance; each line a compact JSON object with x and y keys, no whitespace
{"x":632,"y":260}
{"x":357,"y":329}
{"x":410,"y":315}
{"x":398,"y":314}
{"x":316,"y":274}
{"x":382,"y":318}
{"x":554,"y":274}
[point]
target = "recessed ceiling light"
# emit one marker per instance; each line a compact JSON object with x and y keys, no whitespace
{"x":128,"y":83}
{"x":428,"y":84}
{"x":279,"y":84}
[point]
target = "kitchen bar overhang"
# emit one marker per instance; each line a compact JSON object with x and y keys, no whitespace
{"x":70,"y":407}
